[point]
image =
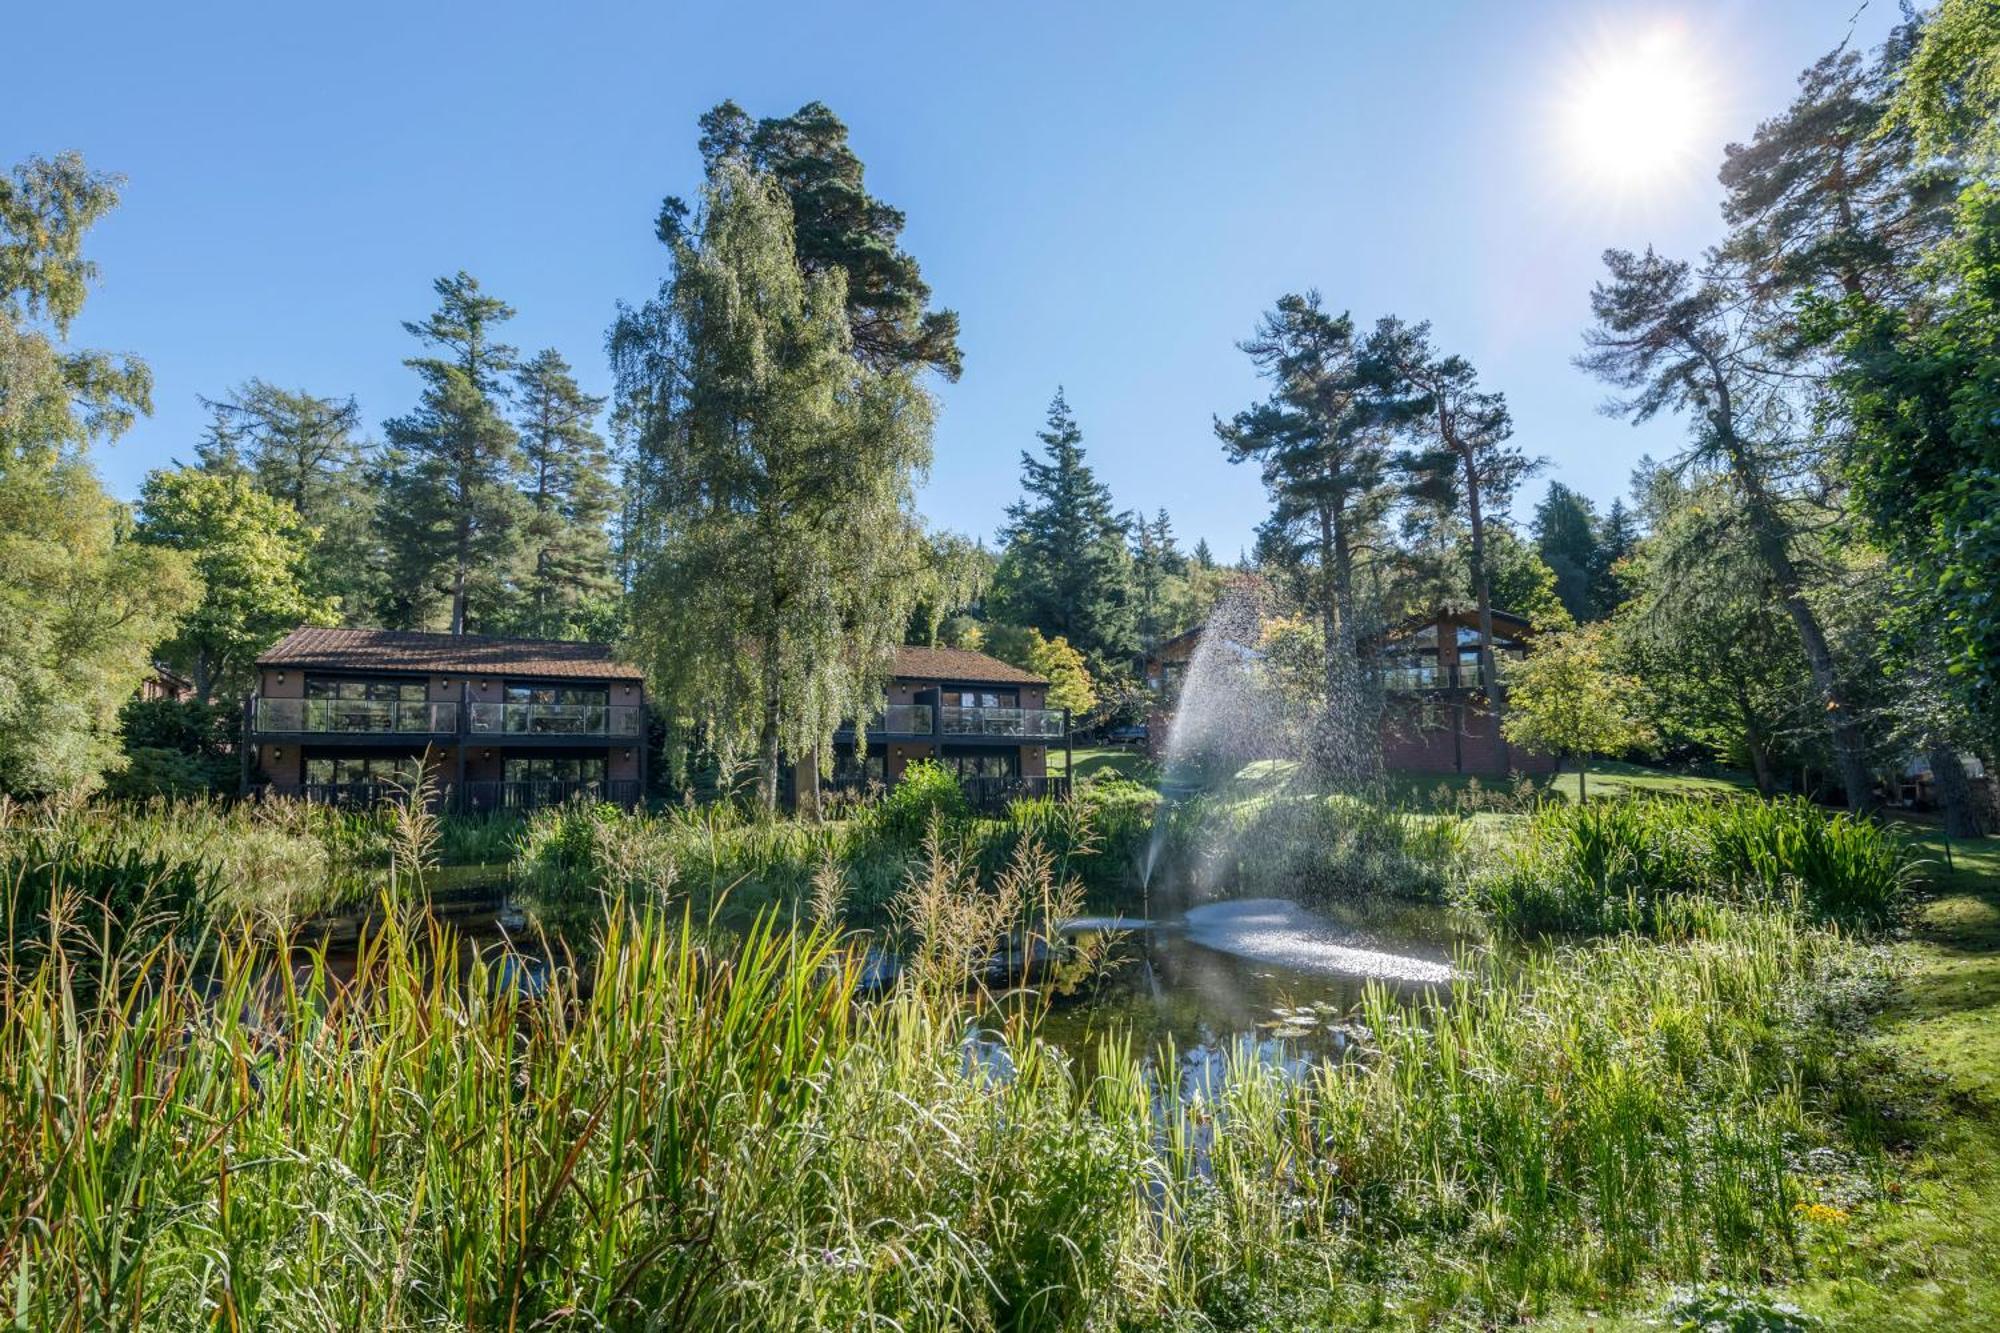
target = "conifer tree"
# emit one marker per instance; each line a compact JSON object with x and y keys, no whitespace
{"x":451,"y":516}
{"x":307,"y":451}
{"x":1566,"y":536}
{"x":1679,"y":340}
{"x":567,"y":587}
{"x":1065,"y":569}
{"x":837,"y":225}
{"x":1464,"y":461}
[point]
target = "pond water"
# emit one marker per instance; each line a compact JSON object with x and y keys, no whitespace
{"x":1255,"y":979}
{"x":1260,"y":979}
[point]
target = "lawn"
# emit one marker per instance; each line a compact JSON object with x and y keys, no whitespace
{"x":1097,"y":760}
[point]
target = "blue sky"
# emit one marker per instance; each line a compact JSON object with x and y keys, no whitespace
{"x":1109,"y":194}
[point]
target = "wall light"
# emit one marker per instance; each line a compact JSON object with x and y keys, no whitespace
{"x":628,"y":754}
{"x":281,"y":678}
{"x":276,"y":753}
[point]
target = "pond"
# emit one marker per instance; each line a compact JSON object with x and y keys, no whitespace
{"x":1255,"y":979}
{"x":1229,"y":980}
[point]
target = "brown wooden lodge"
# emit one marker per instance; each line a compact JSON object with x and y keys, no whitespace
{"x":360,"y":715}
{"x":1436,"y":716}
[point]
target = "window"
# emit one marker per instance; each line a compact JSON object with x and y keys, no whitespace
{"x":380,"y":691}
{"x":865,"y":769}
{"x":984,"y":763}
{"x":361,"y":769}
{"x":576,"y":710}
{"x":553,"y":769}
{"x":979,"y":699}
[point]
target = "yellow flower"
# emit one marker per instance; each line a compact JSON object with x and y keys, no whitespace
{"x":1824,"y":1214}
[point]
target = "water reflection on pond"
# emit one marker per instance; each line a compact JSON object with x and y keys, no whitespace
{"x":1255,"y":980}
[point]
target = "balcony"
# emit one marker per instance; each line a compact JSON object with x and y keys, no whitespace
{"x":1423,"y":679}
{"x":471,"y":797}
{"x":1017,"y":723}
{"x":355,"y":717}
{"x":502,"y":719}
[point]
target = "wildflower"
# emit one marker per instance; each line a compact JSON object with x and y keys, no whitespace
{"x":1821,"y":1214}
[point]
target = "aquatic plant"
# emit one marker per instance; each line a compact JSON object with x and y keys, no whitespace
{"x":708,"y":1131}
{"x":1610,"y":865}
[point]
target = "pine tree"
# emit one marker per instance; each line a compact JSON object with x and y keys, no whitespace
{"x":1203,"y":557}
{"x":1679,"y":341}
{"x":1156,"y":563}
{"x":451,"y":516}
{"x":567,"y":585}
{"x":780,"y":486}
{"x":1320,"y":442}
{"x":1826,"y":197}
{"x":1065,"y":569}
{"x":1464,"y":461}
{"x":1566,"y":532}
{"x":837,"y":225}
{"x":1618,"y":537}
{"x":306,"y":451}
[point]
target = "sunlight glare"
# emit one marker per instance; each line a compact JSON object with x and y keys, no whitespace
{"x":1638,"y":110}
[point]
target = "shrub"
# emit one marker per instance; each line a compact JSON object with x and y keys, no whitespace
{"x":927,"y":791}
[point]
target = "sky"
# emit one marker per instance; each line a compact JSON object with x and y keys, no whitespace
{"x":1108,"y":194}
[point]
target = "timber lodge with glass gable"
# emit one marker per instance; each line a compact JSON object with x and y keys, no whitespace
{"x":350,"y":715}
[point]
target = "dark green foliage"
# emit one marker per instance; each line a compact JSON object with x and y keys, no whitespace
{"x":308,"y":451}
{"x":838,"y":225}
{"x":1065,"y":570}
{"x":178,"y":748}
{"x":1825,"y":197}
{"x":1924,"y":395}
{"x":566,"y":589}
{"x":451,"y":516}
{"x":1617,"y":865}
{"x":1321,"y":443}
{"x":94,"y":897}
{"x":1567,"y":537}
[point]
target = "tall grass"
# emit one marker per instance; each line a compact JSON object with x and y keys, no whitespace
{"x":706,"y":1131}
{"x":1614,"y":865}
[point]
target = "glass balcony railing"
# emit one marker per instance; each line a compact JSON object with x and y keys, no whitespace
{"x":555,"y":719}
{"x":1413,"y":679}
{"x":399,"y":717}
{"x":1027,"y":723}
{"x":903,"y":720}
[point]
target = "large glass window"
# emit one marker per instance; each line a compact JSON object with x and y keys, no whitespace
{"x":576,"y":710}
{"x":355,"y":769}
{"x":984,"y":763}
{"x":538,"y":768}
{"x":848,"y":767}
{"x":385,"y":691}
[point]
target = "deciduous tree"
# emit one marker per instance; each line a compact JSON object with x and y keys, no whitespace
{"x":781,"y":486}
{"x":81,"y":604}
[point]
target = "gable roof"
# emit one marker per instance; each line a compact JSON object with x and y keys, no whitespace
{"x":960,"y":664}
{"x":471,"y":654}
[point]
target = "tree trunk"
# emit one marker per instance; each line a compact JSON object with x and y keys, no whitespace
{"x":1482,"y":591}
{"x":1581,"y":794}
{"x":767,"y":737}
{"x":1754,"y":742}
{"x":1773,"y":546}
{"x":1962,"y":816}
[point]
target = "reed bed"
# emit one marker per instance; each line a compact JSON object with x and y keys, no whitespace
{"x":1614,"y":865}
{"x":708,"y":1131}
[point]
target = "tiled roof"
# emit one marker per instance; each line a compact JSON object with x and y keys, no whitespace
{"x":960,"y":664}
{"x":409,"y":650}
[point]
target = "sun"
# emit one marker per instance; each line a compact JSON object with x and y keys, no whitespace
{"x":1638,"y":112}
